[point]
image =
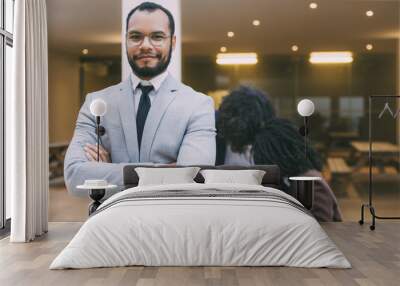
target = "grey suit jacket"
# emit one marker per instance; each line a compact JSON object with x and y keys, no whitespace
{"x":180,"y":127}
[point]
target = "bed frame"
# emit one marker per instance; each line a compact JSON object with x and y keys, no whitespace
{"x":272,"y":178}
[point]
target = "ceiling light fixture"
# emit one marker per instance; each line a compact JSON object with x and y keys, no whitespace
{"x":85,"y":51}
{"x":369,"y":47}
{"x":369,"y":13}
{"x":223,"y":49}
{"x":295,"y":48}
{"x":313,"y":5}
{"x":331,"y":57}
{"x":256,"y":22}
{"x":230,"y":34}
{"x":236,"y":59}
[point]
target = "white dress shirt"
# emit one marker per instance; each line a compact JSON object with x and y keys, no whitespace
{"x":155,"y":82}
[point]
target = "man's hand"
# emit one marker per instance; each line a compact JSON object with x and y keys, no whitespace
{"x":91,"y":153}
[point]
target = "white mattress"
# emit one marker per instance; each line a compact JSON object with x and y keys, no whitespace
{"x":183,"y":231}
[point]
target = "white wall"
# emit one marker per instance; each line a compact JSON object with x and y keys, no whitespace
{"x":64,"y":97}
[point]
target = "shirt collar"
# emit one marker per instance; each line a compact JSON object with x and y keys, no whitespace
{"x":155,"y":81}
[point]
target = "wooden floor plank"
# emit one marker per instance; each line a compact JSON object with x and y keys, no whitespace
{"x":375,"y":257}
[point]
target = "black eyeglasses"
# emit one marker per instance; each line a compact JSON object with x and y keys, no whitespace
{"x":156,"y":39}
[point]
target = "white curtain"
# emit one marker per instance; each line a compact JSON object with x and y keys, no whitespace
{"x":27,"y":124}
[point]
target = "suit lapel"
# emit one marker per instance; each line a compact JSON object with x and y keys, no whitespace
{"x":164,"y":97}
{"x":126,"y":107}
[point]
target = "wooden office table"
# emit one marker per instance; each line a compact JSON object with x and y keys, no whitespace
{"x":384,"y":151}
{"x":377,"y":147}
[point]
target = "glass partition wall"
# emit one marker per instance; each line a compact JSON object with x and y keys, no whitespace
{"x":282,"y":41}
{"x":361,"y":39}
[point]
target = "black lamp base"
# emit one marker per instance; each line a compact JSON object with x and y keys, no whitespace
{"x":96,"y":195}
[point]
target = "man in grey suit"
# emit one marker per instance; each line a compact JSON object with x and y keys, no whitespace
{"x":151,"y":117}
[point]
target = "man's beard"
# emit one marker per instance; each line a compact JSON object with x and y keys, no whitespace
{"x":150,"y":72}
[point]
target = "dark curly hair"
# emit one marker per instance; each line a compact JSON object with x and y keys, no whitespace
{"x":280,"y":143}
{"x":247,"y":117}
{"x":242,"y":114}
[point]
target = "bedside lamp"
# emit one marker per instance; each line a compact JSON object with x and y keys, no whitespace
{"x":98,"y":108}
{"x":305,"y":108}
{"x":305,"y":185}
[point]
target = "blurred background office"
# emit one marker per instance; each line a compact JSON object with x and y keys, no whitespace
{"x":272,"y":45}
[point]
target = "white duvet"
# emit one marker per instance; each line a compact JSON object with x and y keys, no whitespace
{"x":183,"y":231}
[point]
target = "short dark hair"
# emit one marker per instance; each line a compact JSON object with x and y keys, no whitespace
{"x":150,"y":6}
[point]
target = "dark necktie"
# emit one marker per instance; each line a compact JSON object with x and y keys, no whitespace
{"x":143,"y":110}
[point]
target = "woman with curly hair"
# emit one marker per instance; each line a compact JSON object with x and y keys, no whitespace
{"x":242,"y":113}
{"x":247,"y":125}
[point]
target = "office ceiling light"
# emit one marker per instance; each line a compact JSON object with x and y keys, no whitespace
{"x":369,"y":47}
{"x":313,"y":5}
{"x":223,"y":49}
{"x":295,"y":48}
{"x":230,"y":34}
{"x":85,"y":51}
{"x":331,"y":57}
{"x":256,"y":22}
{"x":369,"y":13}
{"x":236,"y":59}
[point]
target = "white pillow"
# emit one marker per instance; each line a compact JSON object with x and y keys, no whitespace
{"x":165,"y":176}
{"x":248,"y":177}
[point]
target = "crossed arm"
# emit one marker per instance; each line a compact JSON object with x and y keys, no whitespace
{"x":197,"y":148}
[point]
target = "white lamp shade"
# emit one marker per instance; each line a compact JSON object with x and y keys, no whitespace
{"x":305,"y":107}
{"x":98,"y":107}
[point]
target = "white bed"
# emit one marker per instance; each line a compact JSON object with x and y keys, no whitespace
{"x":225,"y":225}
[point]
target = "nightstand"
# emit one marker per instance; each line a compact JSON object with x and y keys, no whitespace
{"x":305,"y":190}
{"x":97,"y":190}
